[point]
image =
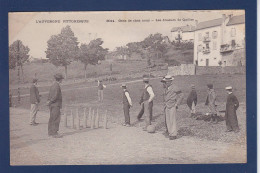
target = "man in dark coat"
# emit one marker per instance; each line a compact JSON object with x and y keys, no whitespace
{"x":192,"y":101}
{"x":34,"y":100}
{"x":55,"y":104}
{"x":231,"y":115}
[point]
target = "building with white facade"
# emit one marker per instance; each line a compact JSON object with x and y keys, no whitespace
{"x":220,"y":42}
{"x":183,"y":33}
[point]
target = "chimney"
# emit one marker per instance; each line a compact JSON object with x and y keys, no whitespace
{"x":230,"y":16}
{"x":223,"y":18}
{"x":196,"y":23}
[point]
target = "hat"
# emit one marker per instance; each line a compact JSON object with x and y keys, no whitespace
{"x":123,"y":85}
{"x":163,"y":80}
{"x":210,"y":86}
{"x":58,"y":76}
{"x":35,"y":80}
{"x":229,"y":88}
{"x":168,"y":78}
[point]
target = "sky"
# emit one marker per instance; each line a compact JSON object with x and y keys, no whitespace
{"x":25,"y":26}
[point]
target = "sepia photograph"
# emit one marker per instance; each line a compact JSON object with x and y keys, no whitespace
{"x":127,"y":87}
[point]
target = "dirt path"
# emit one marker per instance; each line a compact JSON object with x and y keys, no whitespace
{"x":117,"y":145}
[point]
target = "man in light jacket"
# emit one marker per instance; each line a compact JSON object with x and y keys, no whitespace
{"x":172,"y":99}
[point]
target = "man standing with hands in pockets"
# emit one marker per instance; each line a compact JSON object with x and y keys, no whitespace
{"x":55,"y":104}
{"x":35,"y":100}
{"x":173,"y":97}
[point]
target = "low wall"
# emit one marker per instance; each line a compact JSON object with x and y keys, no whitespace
{"x":220,"y":70}
{"x":190,"y":69}
{"x":183,"y":69}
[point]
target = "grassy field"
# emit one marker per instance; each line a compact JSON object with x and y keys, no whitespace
{"x":45,"y":71}
{"x":113,"y":91}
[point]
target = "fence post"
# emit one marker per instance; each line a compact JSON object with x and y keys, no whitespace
{"x":72,"y":118}
{"x":85,"y":119}
{"x":105,"y":120}
{"x":77,"y":119}
{"x":92,"y":119}
{"x":97,"y":120}
{"x":65,"y":116}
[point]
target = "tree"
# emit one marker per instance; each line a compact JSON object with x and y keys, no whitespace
{"x":18,"y":55}
{"x":155,"y":46}
{"x":92,"y":53}
{"x":123,"y":51}
{"x":62,"y":48}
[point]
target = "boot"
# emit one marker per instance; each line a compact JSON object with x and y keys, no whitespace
{"x":215,"y":119}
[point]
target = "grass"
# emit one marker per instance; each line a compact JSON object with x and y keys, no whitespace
{"x":187,"y":126}
{"x":45,"y":71}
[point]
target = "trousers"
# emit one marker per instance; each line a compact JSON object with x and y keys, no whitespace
{"x":171,"y":121}
{"x":126,"y":109}
{"x":34,"y":110}
{"x":150,"y":110}
{"x":54,"y":121}
{"x":100,"y":95}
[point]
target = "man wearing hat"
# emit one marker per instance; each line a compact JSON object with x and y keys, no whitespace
{"x":232,"y":105}
{"x":211,"y":103}
{"x":34,"y":100}
{"x":127,"y":103}
{"x":101,"y":87}
{"x":55,"y":104}
{"x":172,"y":99}
{"x":192,"y":101}
{"x":146,"y":103}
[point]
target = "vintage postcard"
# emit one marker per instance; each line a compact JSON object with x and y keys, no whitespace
{"x":127,"y":87}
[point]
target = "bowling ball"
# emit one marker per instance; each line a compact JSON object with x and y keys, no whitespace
{"x":151,"y":129}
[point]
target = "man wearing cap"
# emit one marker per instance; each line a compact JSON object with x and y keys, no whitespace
{"x":173,"y":97}
{"x":55,"y":104}
{"x":34,"y":100}
{"x":192,"y":101}
{"x":101,"y":87}
{"x":211,"y":103}
{"x":146,"y":102}
{"x":232,"y":105}
{"x":127,"y":103}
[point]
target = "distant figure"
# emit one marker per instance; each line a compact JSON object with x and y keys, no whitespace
{"x":211,"y":103}
{"x":55,"y":104}
{"x":231,"y":108}
{"x":127,"y":103}
{"x":34,"y":100}
{"x":146,"y":103}
{"x":192,"y":101}
{"x":172,"y":99}
{"x":101,"y":87}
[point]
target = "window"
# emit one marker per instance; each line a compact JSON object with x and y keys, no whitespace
{"x":214,"y":34}
{"x":200,"y":37}
{"x":233,"y":32}
{"x":207,"y":35}
{"x":207,"y":45}
{"x":233,"y":43}
{"x":199,"y":48}
{"x":214,"y":45}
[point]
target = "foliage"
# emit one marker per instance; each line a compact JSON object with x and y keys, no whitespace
{"x":93,"y":52}
{"x":62,"y":48}
{"x":18,"y":54}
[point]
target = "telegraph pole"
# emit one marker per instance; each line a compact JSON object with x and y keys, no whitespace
{"x":18,"y":64}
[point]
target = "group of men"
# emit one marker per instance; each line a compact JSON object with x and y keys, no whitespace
{"x":172,"y":98}
{"x":54,"y":103}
